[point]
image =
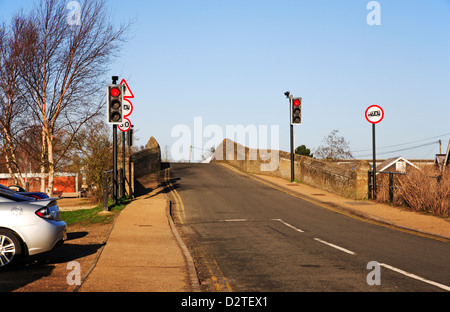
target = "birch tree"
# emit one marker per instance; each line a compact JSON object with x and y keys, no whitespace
{"x":13,"y":41}
{"x":63,"y":70}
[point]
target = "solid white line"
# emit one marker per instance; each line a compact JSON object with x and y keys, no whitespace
{"x":335,"y":246}
{"x":447,"y":288}
{"x":289,"y":225}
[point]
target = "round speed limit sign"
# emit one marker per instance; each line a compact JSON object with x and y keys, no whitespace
{"x":374,"y":114}
{"x":125,"y":126}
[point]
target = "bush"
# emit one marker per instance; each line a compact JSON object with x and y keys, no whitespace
{"x":425,"y":190}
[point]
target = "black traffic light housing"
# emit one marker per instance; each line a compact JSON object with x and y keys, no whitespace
{"x":296,"y":111}
{"x":115,"y":104}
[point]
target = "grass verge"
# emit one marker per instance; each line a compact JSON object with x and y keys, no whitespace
{"x":95,"y":215}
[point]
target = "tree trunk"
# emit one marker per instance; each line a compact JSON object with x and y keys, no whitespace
{"x":42,"y":165}
{"x":51,"y":166}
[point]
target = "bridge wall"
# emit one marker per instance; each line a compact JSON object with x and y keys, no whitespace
{"x":148,"y":160}
{"x":347,"y":182}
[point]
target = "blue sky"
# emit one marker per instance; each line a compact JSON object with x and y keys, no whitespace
{"x":230,"y":62}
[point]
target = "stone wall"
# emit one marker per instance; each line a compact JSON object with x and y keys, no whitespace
{"x":341,"y":180}
{"x":148,"y":160}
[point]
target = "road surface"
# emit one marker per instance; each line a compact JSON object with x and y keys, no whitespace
{"x":246,"y":236}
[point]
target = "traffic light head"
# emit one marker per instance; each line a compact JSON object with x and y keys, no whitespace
{"x":296,"y":111}
{"x":114,"y":104}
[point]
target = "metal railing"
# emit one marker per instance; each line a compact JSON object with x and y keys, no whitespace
{"x":390,"y":186}
{"x":108,"y":186}
{"x":372,"y":191}
{"x":115,"y":188}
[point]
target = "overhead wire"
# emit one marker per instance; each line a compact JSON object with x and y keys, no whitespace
{"x":401,"y":150}
{"x":403,"y":144}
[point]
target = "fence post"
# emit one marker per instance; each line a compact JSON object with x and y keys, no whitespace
{"x":105,"y":191}
{"x":121,"y":183}
{"x":391,"y":187}
{"x":369,"y":186}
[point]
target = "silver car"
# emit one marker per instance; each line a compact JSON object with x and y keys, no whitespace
{"x":28,"y":227}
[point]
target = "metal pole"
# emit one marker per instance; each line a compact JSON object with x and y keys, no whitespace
{"x":292,"y":139}
{"x":374,"y":166}
{"x":115,"y":163}
{"x":130,"y":177}
{"x":292,"y":153}
{"x":114,"y":174}
{"x":123,"y":162}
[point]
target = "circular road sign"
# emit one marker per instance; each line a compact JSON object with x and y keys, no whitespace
{"x":374,"y":114}
{"x":125,"y":126}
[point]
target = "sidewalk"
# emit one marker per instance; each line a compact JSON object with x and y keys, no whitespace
{"x":142,"y":253}
{"x":425,"y":225}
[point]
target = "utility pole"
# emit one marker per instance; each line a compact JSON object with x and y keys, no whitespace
{"x":190,"y":152}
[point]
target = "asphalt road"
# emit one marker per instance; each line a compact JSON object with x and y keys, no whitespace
{"x":245,"y":236}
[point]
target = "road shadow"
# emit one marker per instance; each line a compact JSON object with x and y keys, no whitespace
{"x":146,"y":185}
{"x":34,"y":268}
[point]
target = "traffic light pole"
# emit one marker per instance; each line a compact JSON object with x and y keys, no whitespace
{"x":115,"y":163}
{"x":292,"y":139}
{"x":114,"y":177}
{"x":292,"y":153}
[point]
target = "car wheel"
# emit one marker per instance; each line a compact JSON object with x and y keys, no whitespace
{"x":10,"y":249}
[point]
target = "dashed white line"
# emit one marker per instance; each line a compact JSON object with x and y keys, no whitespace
{"x":289,"y":225}
{"x":335,"y":246}
{"x":447,"y":288}
{"x":235,"y":220}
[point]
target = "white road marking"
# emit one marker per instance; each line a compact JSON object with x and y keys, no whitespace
{"x":289,"y":225}
{"x":235,"y":220}
{"x":335,"y":246}
{"x":447,"y":288}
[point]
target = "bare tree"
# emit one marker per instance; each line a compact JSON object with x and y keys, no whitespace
{"x":91,"y":145}
{"x":63,"y":69}
{"x":12,"y":112}
{"x":334,"y":147}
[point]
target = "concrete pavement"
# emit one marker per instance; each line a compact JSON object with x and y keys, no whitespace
{"x":144,"y":252}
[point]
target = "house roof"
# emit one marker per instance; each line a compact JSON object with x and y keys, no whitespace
{"x":389,"y":162}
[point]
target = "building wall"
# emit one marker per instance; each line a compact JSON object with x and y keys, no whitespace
{"x":65,"y":184}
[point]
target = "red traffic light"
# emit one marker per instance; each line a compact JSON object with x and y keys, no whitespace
{"x":296,"y":102}
{"x":115,"y":92}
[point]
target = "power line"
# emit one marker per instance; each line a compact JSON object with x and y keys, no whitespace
{"x":403,"y":149}
{"x":402,"y":144}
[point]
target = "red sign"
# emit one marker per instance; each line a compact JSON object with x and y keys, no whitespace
{"x":127,"y":107}
{"x":374,"y":114}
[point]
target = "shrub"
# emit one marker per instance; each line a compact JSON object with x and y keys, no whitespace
{"x":425,"y":190}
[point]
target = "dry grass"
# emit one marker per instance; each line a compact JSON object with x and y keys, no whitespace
{"x":420,"y":190}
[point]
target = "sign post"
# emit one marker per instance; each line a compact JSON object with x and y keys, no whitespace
{"x":374,"y":114}
{"x":119,"y":95}
{"x":126,"y":127}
